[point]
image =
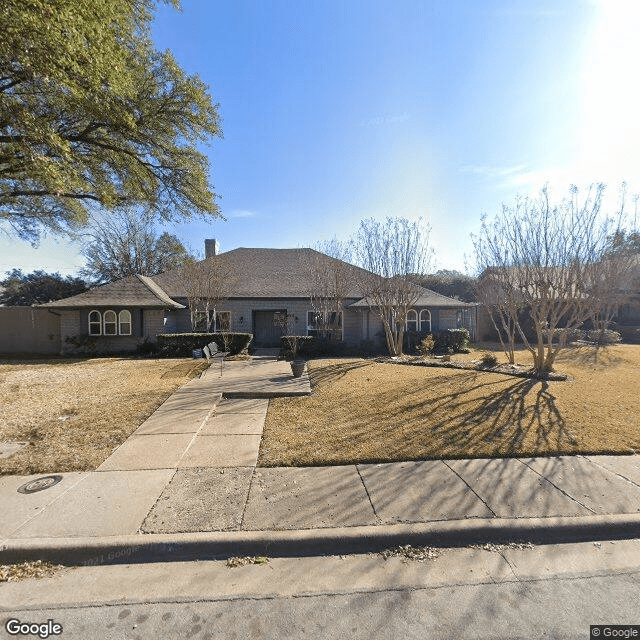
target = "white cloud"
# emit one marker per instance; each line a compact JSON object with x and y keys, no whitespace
{"x":242,"y":213}
{"x":493,"y":172}
{"x":385,"y":119}
{"x":523,"y":180}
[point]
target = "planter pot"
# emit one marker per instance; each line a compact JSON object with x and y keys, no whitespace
{"x":297,"y":368}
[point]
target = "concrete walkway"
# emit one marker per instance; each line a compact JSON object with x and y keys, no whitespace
{"x":186,"y":482}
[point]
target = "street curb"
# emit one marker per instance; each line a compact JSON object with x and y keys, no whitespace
{"x":309,"y":542}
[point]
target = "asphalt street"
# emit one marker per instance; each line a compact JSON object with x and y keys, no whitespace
{"x":509,"y":591}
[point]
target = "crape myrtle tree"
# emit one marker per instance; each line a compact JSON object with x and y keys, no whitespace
{"x":126,"y":242}
{"x":208,"y":284}
{"x":554,"y":260}
{"x":92,"y":116}
{"x":392,"y":252}
{"x":331,"y":281}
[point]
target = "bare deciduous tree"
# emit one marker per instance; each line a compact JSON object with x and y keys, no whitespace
{"x":503,"y":306}
{"x":552,"y":259}
{"x":331,"y":281}
{"x":392,"y":252}
{"x":207,"y":283}
{"x":126,"y":242}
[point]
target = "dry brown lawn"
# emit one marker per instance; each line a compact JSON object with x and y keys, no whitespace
{"x":363,"y":411}
{"x":73,"y":413}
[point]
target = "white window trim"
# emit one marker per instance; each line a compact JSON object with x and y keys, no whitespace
{"x":412,"y":316}
{"x":313,"y":326}
{"x":215,"y":320}
{"x":98,"y":322}
{"x":105,"y":323}
{"x":200,"y":318}
{"x":420,"y":321}
{"x":101,"y":322}
{"x":129,"y":322}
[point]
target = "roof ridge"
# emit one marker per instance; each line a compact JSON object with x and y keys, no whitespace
{"x":158,"y":291}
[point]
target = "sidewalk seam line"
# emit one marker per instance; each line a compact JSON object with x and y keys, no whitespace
{"x":8,"y":538}
{"x":253,"y":473}
{"x":368,"y":494}
{"x":504,"y":557}
{"x":246,"y":502}
{"x":140,"y":531}
{"x":495,"y":515}
{"x":615,"y":473}
{"x":195,"y":435}
{"x":558,"y":488}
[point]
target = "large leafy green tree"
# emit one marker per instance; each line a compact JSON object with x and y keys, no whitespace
{"x":127,"y":243}
{"x":92,"y":116}
{"x":37,"y":287}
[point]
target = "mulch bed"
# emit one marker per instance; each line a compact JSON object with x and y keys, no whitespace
{"x":516,"y":370}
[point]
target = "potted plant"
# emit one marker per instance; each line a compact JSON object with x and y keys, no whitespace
{"x":286,"y":322}
{"x":297,"y":363}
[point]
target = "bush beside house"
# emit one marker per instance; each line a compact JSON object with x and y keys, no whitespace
{"x":182,"y":345}
{"x":447,"y":341}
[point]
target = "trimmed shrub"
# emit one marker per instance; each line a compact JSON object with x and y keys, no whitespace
{"x":426,"y":345}
{"x":446,"y":341}
{"x":565,"y":335}
{"x":288,"y":346}
{"x":181,"y":345}
{"x":147,"y":348}
{"x":82,"y":345}
{"x":450,"y":340}
{"x":321,"y":348}
{"x":630,"y":334}
{"x":603,"y":337}
{"x":488,"y":360}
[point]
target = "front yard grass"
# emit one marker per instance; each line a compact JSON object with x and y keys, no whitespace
{"x":74,"y":413}
{"x":364,"y":411}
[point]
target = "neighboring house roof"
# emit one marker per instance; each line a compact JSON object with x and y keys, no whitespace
{"x":537,"y":281}
{"x":138,"y":291}
{"x":257,"y":273}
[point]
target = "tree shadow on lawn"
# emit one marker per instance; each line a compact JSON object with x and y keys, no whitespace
{"x":598,"y":356}
{"x":519,"y":419}
{"x":326,"y":374}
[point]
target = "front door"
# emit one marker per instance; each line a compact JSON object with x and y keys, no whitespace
{"x":266,"y":333}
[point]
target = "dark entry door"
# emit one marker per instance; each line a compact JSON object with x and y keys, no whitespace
{"x":266,"y":333}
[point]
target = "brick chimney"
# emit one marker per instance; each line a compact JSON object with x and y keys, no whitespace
{"x":210,"y":248}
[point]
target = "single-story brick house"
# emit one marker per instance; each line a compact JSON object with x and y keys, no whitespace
{"x":120,"y":315}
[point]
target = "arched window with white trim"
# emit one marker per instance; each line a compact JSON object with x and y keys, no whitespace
{"x":95,"y":323}
{"x":110,"y":323}
{"x":124,"y":323}
{"x":412,"y":320}
{"x":425,"y":320}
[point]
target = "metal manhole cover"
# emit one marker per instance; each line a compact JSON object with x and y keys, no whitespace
{"x":39,"y":484}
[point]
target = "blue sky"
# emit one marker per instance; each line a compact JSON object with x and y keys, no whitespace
{"x":335,"y":111}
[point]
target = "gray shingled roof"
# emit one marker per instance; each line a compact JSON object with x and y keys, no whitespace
{"x":426,"y":298}
{"x":259,"y":273}
{"x":132,"y":291}
{"x":262,"y":273}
